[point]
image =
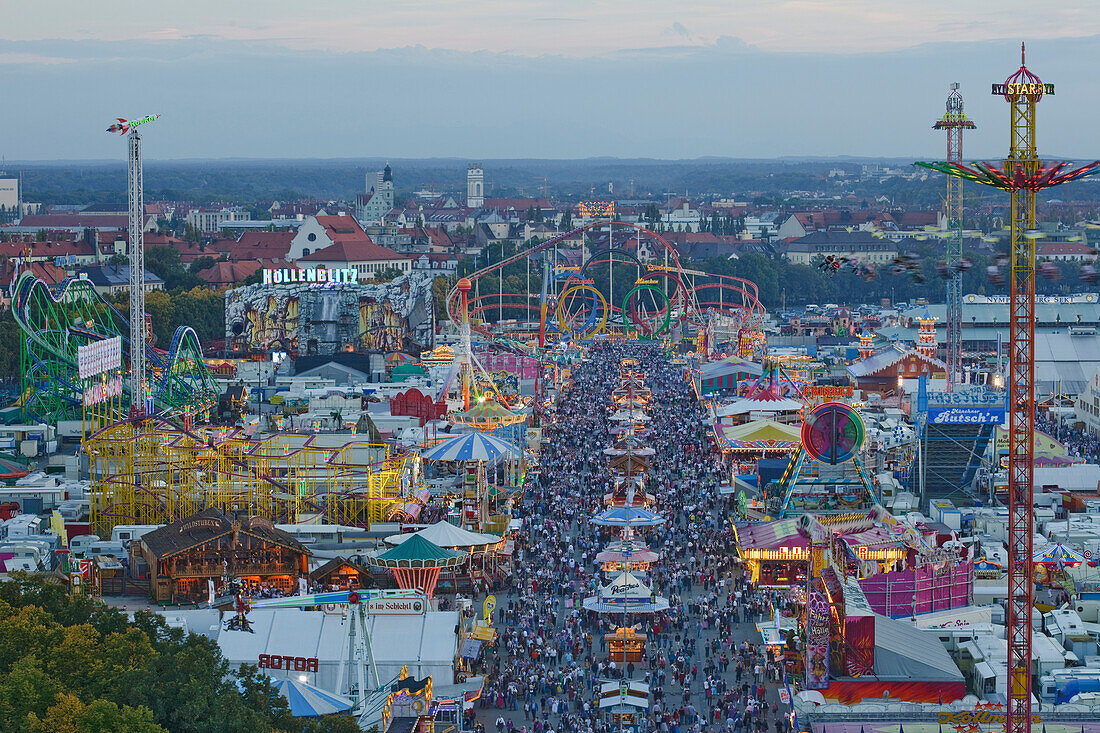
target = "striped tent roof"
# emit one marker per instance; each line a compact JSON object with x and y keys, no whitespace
{"x":471,"y":447}
{"x":307,"y":701}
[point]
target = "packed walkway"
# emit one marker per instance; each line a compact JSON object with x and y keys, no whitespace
{"x":703,"y":660}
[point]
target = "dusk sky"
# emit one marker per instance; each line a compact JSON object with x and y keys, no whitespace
{"x":542,"y":78}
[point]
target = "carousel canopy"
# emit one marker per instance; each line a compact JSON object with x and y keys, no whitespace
{"x":307,"y":701}
{"x":471,"y":447}
{"x":762,"y":402}
{"x":621,"y":516}
{"x":763,"y":435}
{"x":632,"y":545}
{"x":417,"y":552}
{"x":629,"y":416}
{"x":1058,"y":554}
{"x":445,"y":534}
{"x":631,"y":555}
{"x":623,"y":451}
{"x":487,"y":414}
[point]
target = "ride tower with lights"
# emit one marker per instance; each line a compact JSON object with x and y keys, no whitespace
{"x":954,"y":121}
{"x":140,"y":394}
{"x":1022,"y":175}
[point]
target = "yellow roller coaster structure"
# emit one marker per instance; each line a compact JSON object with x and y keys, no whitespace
{"x":155,"y":472}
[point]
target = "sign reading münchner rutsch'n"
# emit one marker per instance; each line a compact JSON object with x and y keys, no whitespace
{"x":966,"y":416}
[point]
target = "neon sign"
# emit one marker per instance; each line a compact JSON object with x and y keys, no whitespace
{"x":866,"y":553}
{"x":278,"y":661}
{"x":596,"y":209}
{"x":273,"y":276}
{"x":820,"y":390}
{"x":783,"y":553}
{"x":1017,"y":88}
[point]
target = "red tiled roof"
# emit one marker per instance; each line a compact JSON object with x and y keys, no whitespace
{"x":227,"y":273}
{"x":45,"y":221}
{"x":47,"y":249}
{"x":519,"y":204}
{"x":1064,"y":248}
{"x":264,"y":244}
{"x":353,"y":251}
{"x":47,"y":272}
{"x":342,"y":228}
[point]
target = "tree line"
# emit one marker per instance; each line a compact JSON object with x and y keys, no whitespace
{"x":71,"y":664}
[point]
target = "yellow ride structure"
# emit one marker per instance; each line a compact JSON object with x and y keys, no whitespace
{"x":153,"y":471}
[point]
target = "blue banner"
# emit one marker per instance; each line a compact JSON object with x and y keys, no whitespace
{"x":967,"y":416}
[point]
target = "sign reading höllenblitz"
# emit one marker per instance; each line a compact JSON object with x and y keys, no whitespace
{"x":966,"y":416}
{"x":314,"y":275}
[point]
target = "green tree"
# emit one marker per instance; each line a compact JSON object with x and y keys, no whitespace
{"x":202,"y":263}
{"x":70,"y":715}
{"x":567,"y":219}
{"x":164,"y":262}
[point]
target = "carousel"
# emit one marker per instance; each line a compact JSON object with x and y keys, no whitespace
{"x":481,"y":564}
{"x":416,"y":563}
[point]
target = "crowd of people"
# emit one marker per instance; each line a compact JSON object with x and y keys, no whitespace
{"x":704,"y":671}
{"x":1078,"y":443}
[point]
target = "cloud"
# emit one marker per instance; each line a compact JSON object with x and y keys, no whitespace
{"x":12,"y":58}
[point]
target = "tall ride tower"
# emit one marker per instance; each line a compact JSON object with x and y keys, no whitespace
{"x":136,"y":244}
{"x":954,"y":121}
{"x":140,"y":393}
{"x":1022,"y":175}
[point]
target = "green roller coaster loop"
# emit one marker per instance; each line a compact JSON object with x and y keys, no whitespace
{"x":628,"y":326}
{"x":54,"y":322}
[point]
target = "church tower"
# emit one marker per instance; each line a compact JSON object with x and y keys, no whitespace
{"x":475,"y":186}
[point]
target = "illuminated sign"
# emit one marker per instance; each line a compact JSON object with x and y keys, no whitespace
{"x":1018,"y":88}
{"x":643,"y":281}
{"x":816,"y":676}
{"x":297,"y":664}
{"x":866,"y":553}
{"x":103,"y":391}
{"x":596,"y":209}
{"x":975,"y":397}
{"x":978,"y":717}
{"x":273,"y":276}
{"x":818,"y":390}
{"x":966,"y":416}
{"x":783,"y":553}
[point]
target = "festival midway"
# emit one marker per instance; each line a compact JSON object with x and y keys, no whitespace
{"x":473,"y":464}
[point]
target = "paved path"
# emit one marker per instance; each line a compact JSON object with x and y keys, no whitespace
{"x":549,"y":651}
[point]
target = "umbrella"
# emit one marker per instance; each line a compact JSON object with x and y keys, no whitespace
{"x":471,"y":447}
{"x":307,"y":701}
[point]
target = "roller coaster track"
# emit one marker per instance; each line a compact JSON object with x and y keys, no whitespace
{"x":744,"y":303}
{"x":54,"y":322}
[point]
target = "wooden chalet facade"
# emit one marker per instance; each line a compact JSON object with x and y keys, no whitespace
{"x":183,"y":556}
{"x":339,"y":574}
{"x":880,"y":371}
